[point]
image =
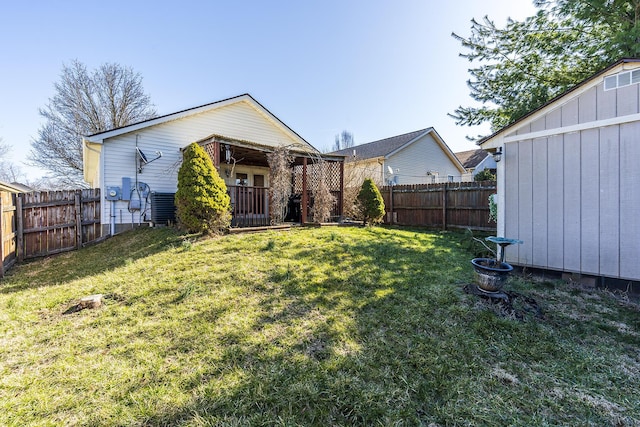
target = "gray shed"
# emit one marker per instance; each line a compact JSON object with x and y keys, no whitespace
{"x":569,"y":181}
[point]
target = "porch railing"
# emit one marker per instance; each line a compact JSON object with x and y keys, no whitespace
{"x":249,"y":206}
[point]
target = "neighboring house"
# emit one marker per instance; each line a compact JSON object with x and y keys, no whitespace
{"x":477,"y":160}
{"x":14,"y":187}
{"x":136,"y":166}
{"x":419,"y":157}
{"x":569,"y":181}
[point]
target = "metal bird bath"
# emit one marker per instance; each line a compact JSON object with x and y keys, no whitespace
{"x":491,"y":274}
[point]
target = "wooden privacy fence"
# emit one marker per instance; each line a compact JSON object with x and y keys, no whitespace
{"x":449,"y":205}
{"x":44,"y":223}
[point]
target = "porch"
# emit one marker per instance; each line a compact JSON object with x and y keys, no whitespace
{"x":244,"y":167}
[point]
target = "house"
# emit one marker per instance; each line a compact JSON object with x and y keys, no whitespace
{"x":475,"y":161}
{"x":419,"y":157}
{"x":13,"y":187}
{"x":568,"y":182}
{"x":136,"y":166}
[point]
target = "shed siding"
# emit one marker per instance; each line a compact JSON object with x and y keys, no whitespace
{"x":555,"y":202}
{"x":590,"y":201}
{"x":540,"y":202}
{"x":525,"y":202}
{"x":610,"y":201}
{"x":574,"y":197}
{"x":238,"y":121}
{"x":572,"y":204}
{"x":587,"y":106}
{"x":627,"y":100}
{"x":511,"y":199}
{"x":570,"y":113}
{"x":606,"y":103}
{"x":417,"y":158}
{"x":630,"y":201}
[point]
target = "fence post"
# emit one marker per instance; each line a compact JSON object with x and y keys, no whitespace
{"x":444,"y":206}
{"x":78,"y":212}
{"x":19,"y":227}
{"x":305,"y":199}
{"x":341,"y":200}
{"x":391,"y":202}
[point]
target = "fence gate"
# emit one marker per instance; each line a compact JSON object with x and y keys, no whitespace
{"x":7,"y":231}
{"x":57,"y":221}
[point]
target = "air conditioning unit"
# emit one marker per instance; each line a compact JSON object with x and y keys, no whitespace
{"x":163,"y":209}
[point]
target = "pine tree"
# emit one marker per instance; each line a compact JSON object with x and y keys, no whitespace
{"x":522,"y":65}
{"x":371,"y":202}
{"x":202,"y":202}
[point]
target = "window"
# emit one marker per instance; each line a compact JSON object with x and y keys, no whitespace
{"x":610,"y":82}
{"x":623,"y":79}
{"x":242,"y":179}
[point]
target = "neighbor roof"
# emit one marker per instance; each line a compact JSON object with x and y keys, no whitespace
{"x":388,"y":146}
{"x":14,"y":187}
{"x":383,"y":147}
{"x":472,"y":158}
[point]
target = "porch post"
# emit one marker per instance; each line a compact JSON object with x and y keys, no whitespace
{"x":216,"y":157}
{"x":341,"y":199}
{"x":304,"y":200}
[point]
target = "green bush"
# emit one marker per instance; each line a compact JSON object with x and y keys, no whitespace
{"x":371,"y":203}
{"x":484,"y":175}
{"x":202,"y":202}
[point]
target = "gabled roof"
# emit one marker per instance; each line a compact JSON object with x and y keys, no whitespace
{"x":389,"y":146}
{"x":585,"y":84}
{"x":382,"y":147}
{"x":14,"y":187}
{"x":101,"y":136}
{"x":472,"y":158}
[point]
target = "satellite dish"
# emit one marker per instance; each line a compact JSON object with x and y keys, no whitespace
{"x":389,"y":170}
{"x":143,"y":158}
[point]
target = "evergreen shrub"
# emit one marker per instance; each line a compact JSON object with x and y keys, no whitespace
{"x":371,"y":202}
{"x":202,"y":202}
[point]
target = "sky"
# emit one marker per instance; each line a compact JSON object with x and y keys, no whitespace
{"x":376,"y":68}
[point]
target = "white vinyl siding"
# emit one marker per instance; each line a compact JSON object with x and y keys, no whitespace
{"x":238,"y":121}
{"x":416,"y":159}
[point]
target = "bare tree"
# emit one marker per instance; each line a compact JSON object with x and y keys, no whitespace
{"x":85,"y":103}
{"x":4,"y":149}
{"x":344,"y":140}
{"x":355,"y":173}
{"x":280,"y":187}
{"x":323,"y":200}
{"x":9,"y":171}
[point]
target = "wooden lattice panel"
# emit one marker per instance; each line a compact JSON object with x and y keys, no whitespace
{"x":210,"y":149}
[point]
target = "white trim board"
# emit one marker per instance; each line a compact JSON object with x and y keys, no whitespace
{"x":574,"y":128}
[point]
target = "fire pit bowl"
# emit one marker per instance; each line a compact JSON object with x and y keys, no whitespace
{"x":491,"y":275}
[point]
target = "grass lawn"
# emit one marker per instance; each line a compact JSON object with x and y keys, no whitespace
{"x":329,"y":326}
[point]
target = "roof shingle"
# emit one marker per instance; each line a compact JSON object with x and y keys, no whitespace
{"x":381,"y":147}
